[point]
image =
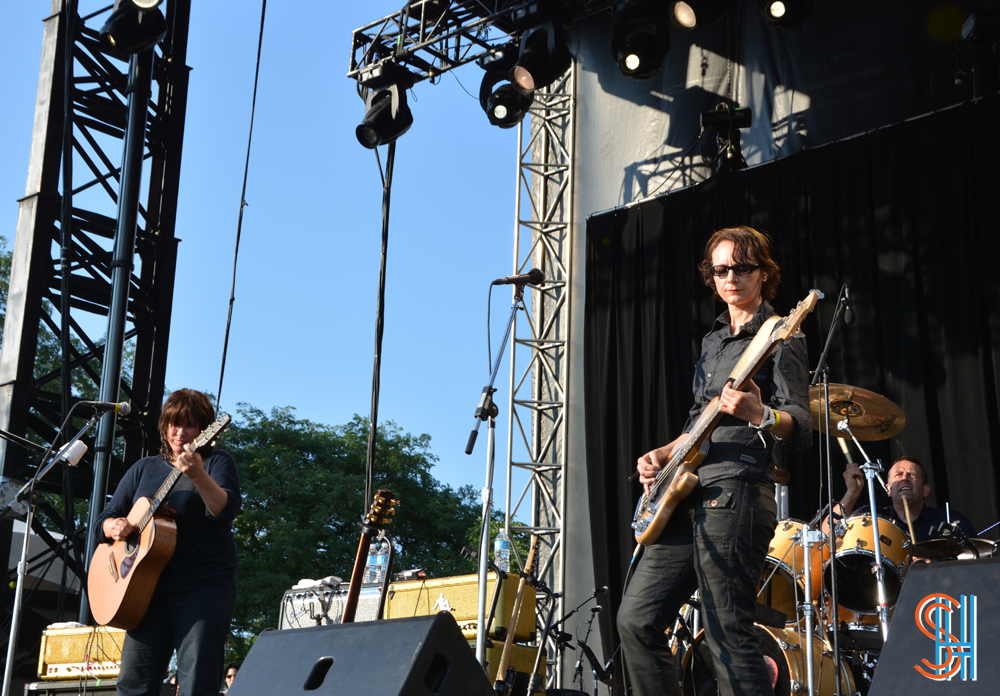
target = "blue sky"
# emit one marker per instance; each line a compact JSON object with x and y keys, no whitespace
{"x":303,"y":321}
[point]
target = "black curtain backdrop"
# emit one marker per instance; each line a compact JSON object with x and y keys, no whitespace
{"x":907,"y":216}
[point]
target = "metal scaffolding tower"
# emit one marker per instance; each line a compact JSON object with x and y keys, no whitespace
{"x":61,"y":298}
{"x":540,"y":359}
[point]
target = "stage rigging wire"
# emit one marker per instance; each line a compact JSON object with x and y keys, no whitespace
{"x":243,"y":204}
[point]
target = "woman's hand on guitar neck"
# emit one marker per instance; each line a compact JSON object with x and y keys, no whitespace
{"x":650,"y":464}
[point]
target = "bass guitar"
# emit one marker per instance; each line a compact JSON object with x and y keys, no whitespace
{"x":678,"y":478}
{"x":123,"y":574}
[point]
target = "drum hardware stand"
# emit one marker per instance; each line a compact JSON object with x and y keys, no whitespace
{"x":807,"y":538}
{"x":871,"y":472}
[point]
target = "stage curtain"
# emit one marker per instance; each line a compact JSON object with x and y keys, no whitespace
{"x":906,"y":215}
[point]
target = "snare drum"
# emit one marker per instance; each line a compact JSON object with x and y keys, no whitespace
{"x":785,"y":558}
{"x":857,"y":589}
{"x":786,"y":662}
{"x":858,"y":632}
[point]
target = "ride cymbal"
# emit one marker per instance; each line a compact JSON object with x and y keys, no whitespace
{"x":870,"y":415}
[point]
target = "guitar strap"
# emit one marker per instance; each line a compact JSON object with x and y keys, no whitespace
{"x":179,"y":496}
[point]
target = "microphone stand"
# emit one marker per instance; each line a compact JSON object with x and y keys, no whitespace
{"x":822,"y":375}
{"x":487,"y":410}
{"x":22,"y":566}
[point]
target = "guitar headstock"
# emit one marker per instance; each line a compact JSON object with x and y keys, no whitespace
{"x":208,"y":435}
{"x":790,"y":325}
{"x":381,"y":511}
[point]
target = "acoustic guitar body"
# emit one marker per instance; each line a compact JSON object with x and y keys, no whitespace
{"x":124,"y":574}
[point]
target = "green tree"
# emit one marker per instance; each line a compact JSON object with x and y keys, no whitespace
{"x":303,"y":485}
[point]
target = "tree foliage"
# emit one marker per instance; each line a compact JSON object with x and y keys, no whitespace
{"x":303,"y":485}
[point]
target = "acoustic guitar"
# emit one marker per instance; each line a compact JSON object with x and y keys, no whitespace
{"x":678,"y":478}
{"x":379,"y":515}
{"x":123,"y":574}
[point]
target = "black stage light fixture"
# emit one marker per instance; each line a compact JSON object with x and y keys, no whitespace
{"x":386,"y":117}
{"x":688,"y":14}
{"x":145,"y":4}
{"x":726,"y":121}
{"x":983,"y":26}
{"x":130,"y":30}
{"x":786,"y":14}
{"x":639,"y":47}
{"x":505,"y":106}
{"x":543,"y":57}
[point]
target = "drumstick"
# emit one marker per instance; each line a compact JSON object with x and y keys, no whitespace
{"x":909,"y":522}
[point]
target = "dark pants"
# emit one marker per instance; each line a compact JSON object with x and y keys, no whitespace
{"x":196,"y":625}
{"x":717,"y":541}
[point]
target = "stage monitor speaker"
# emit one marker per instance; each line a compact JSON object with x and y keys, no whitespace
{"x":938,"y":643}
{"x":422,"y":656}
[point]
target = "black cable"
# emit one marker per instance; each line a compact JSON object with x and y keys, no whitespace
{"x":243,"y":203}
{"x":390,"y":159}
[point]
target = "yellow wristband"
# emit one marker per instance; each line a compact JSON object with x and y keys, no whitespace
{"x":777,"y":418}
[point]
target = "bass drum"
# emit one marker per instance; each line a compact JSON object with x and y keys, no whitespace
{"x":783,"y":581}
{"x":782,"y":651}
{"x":855,"y":559}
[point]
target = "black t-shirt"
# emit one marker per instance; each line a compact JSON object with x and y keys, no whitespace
{"x":205,"y":554}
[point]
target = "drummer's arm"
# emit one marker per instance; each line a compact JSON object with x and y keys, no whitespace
{"x":855,"y":485}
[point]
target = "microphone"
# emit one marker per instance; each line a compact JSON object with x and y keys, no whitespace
{"x":849,"y":309}
{"x":532,"y":277}
{"x":72,"y":454}
{"x":123,"y":408}
{"x":597,"y":610}
{"x":599,"y":590}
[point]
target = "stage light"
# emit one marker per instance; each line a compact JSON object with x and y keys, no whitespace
{"x":726,"y":118}
{"x":130,"y":30}
{"x":386,"y":117}
{"x":639,"y":47}
{"x":543,"y":57}
{"x":982,"y":26}
{"x":506,"y":106}
{"x":786,"y":14}
{"x":145,"y":4}
{"x":688,"y":14}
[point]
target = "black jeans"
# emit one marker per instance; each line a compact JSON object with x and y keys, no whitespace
{"x":196,"y":624}
{"x":717,"y":541}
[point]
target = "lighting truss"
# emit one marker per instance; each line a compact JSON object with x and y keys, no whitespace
{"x":540,"y":359}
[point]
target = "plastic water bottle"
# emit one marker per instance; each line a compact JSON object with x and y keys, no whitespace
{"x":370,"y":568}
{"x":501,"y":551}
{"x":381,"y":561}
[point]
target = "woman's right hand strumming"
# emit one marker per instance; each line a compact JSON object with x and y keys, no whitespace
{"x":650,"y":464}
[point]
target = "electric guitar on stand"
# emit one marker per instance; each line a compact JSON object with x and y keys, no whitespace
{"x":379,"y":515}
{"x":678,"y":478}
{"x":123,"y":574}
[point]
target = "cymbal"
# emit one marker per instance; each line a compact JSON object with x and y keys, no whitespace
{"x":940,"y":549}
{"x":871,"y":416}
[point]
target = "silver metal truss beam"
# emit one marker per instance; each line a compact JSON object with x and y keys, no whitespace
{"x":540,"y":360}
{"x":30,"y":389}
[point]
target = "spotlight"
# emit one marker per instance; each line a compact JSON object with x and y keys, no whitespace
{"x":726,"y":118}
{"x":688,"y":14}
{"x":144,"y":4}
{"x":131,"y":30}
{"x":386,"y":117}
{"x":639,"y":47}
{"x":543,"y":58}
{"x":982,"y":26}
{"x":786,"y":14}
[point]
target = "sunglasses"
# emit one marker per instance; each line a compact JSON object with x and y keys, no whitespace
{"x":740,"y":269}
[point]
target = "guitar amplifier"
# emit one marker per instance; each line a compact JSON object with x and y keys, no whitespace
{"x":460,"y":596}
{"x":94,"y":652}
{"x":522,"y":659}
{"x":321,"y":606}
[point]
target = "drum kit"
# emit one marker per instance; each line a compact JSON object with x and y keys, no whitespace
{"x":841,"y":605}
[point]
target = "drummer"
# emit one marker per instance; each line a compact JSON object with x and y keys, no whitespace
{"x":907,"y":480}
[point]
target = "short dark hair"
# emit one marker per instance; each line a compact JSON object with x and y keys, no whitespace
{"x":231,"y":665}
{"x":923,"y":471}
{"x":747,"y":243}
{"x":184,"y":407}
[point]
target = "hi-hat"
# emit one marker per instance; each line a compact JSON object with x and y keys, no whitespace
{"x":942,"y":549}
{"x":870,"y":415}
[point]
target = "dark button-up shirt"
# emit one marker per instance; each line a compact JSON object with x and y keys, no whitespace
{"x":737,"y":450}
{"x":925,"y":524}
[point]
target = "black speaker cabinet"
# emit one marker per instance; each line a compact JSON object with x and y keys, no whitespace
{"x":421,"y":656}
{"x":944,"y":633}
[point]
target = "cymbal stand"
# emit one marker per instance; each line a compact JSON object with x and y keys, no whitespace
{"x":807,"y":538}
{"x":871,"y":473}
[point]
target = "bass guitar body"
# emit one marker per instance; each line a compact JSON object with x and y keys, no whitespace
{"x":124,"y":574}
{"x":656,"y":508}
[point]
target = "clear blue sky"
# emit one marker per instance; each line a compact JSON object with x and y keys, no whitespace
{"x":303,"y":323}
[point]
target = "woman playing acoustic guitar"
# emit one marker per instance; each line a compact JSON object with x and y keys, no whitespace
{"x":193,"y":600}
